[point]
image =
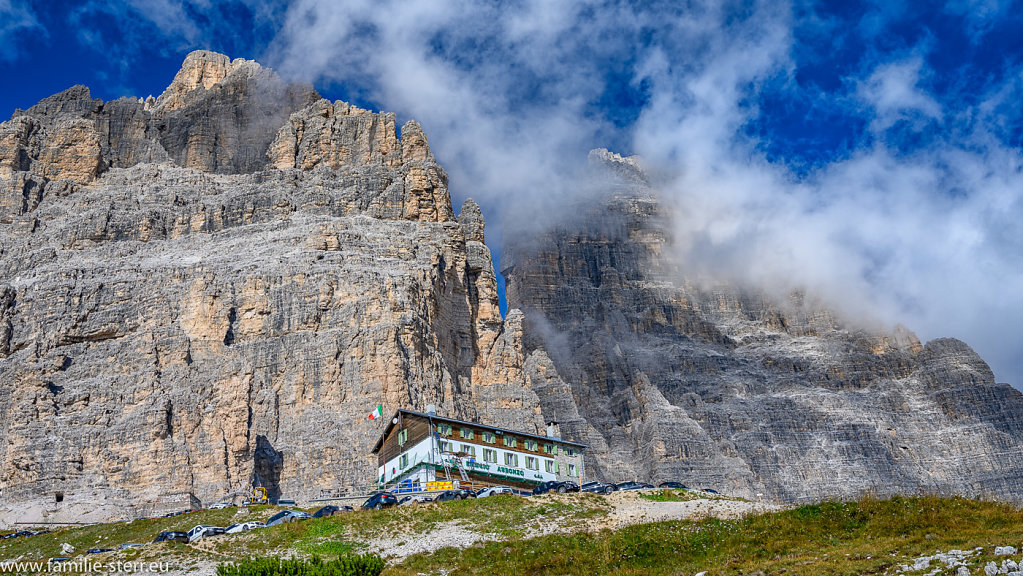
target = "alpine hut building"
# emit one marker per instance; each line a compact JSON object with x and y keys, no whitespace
{"x":422,"y":451}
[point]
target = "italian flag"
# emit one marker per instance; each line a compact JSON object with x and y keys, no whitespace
{"x":377,"y":412}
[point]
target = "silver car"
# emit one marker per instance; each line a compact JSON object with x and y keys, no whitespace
{"x":494,"y":491}
{"x":287,"y":516}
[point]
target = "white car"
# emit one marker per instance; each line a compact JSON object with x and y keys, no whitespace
{"x":244,"y":527}
{"x":219,"y":506}
{"x":201,"y":531}
{"x":494,"y":491}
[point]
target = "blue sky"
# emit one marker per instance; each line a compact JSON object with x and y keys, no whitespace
{"x":870,"y":151}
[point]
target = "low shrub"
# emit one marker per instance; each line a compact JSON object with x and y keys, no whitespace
{"x":352,"y":565}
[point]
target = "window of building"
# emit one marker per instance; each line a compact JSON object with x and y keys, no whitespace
{"x":466,"y":433}
{"x":489,"y":455}
{"x":470,"y":450}
{"x":530,"y":444}
{"x":402,"y":436}
{"x":569,"y":451}
{"x":403,"y":461}
{"x":511,"y":441}
{"x":532,"y":463}
{"x":572,"y":470}
{"x":511,"y":459}
{"x":445,"y":446}
{"x":550,"y":449}
{"x":489,"y":437}
{"x":549,"y":466}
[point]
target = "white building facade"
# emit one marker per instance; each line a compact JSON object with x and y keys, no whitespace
{"x":419,"y":449}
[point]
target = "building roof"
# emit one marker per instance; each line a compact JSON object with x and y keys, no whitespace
{"x":445,"y":420}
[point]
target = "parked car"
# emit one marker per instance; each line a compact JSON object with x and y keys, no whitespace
{"x":130,"y":545}
{"x":634,"y":486}
{"x":556,"y":486}
{"x":455,"y":494}
{"x":286,"y":503}
{"x":287,"y":516}
{"x":598,"y":488}
{"x":243,"y":527}
{"x":98,"y":550}
{"x":59,"y":559}
{"x":172,"y":537}
{"x":415,"y":499}
{"x":331,"y":511}
{"x":380,"y":500}
{"x":711,"y":491}
{"x":675,"y":485}
{"x":202,"y":531}
{"x":23,"y":534}
{"x":220,"y":506}
{"x":494,"y":491}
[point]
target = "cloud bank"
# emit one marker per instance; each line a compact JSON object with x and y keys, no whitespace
{"x":911,"y":215}
{"x":870,"y":152}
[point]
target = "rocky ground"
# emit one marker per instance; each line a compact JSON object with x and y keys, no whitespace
{"x":966,"y":562}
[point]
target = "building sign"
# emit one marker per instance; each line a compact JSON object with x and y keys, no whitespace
{"x":511,"y":471}
{"x":492,"y":469}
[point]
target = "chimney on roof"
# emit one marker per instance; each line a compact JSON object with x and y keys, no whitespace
{"x":431,"y":410}
{"x":553,"y":431}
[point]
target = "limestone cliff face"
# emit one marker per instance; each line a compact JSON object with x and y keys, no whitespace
{"x":211,"y":290}
{"x":730,"y":389}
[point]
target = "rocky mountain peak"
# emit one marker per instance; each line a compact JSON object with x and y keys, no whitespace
{"x":628,"y":168}
{"x":208,"y":290}
{"x":723,"y":385}
{"x":471,"y":220}
{"x":201,"y":69}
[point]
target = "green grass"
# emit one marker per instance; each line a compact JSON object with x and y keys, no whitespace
{"x":840,"y":538}
{"x":668,"y":495}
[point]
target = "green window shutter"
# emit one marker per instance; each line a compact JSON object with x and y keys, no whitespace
{"x":557,"y":467}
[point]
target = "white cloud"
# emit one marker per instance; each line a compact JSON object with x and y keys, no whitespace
{"x":505,"y":92}
{"x":16,"y":19}
{"x":893,"y":91}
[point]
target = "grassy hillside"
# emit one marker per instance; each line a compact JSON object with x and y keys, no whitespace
{"x":865,"y":537}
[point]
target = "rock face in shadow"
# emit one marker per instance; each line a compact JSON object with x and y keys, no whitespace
{"x":210,"y":290}
{"x":735,"y":390}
